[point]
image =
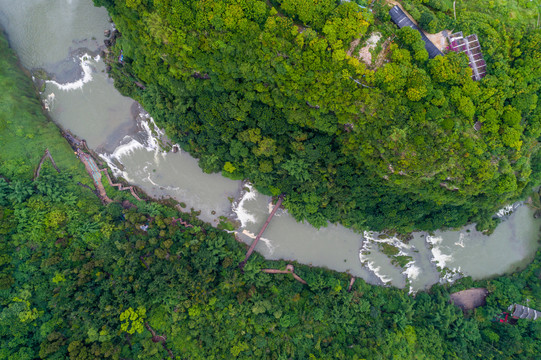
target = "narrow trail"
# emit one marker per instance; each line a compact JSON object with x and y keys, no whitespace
{"x":43,"y":158}
{"x":252,"y":247}
{"x":120,"y":186}
{"x":289,"y":270}
{"x":179,"y":220}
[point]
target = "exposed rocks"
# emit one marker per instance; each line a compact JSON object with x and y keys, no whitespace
{"x":112,"y":40}
{"x":446,"y":186}
{"x":469,"y":299}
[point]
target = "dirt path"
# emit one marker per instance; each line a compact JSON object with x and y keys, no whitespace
{"x":439,"y":39}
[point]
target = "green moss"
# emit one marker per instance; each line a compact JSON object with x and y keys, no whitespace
{"x":388,"y":249}
{"x":401,"y":260}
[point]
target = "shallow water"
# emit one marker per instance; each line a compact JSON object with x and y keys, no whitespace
{"x":175,"y":175}
{"x":334,"y":247}
{"x":91,"y":107}
{"x":512,"y":246}
{"x":56,"y":34}
{"x":44,"y":32}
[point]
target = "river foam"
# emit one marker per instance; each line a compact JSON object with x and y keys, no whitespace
{"x":242,"y":213}
{"x":86,"y":74}
{"x":48,"y":102}
{"x":404,"y":249}
{"x":270,"y":246}
{"x":376,"y":270}
{"x":508,"y":210}
{"x":151,"y":135}
{"x":438,"y":257}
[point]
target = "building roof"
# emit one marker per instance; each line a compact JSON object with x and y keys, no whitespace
{"x":471,"y":47}
{"x":523,"y":312}
{"x":400,"y":18}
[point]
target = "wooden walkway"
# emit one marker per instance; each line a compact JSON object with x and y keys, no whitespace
{"x":179,"y":220}
{"x":95,"y":173}
{"x":289,"y":270}
{"x":162,"y":339}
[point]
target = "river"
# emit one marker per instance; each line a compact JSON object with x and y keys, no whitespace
{"x":63,"y":37}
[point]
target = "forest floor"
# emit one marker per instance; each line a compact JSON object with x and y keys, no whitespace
{"x":439,"y":39}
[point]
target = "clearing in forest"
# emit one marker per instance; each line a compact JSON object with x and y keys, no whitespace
{"x":365,"y":53}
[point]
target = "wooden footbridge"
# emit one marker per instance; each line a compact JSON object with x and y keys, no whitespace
{"x":252,"y":247}
{"x":289,"y":270}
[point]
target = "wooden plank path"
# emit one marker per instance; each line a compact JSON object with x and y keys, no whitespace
{"x":252,"y":247}
{"x":162,"y":339}
{"x":289,"y":270}
{"x":186,"y":224}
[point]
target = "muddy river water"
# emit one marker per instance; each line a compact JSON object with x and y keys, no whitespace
{"x":63,"y":37}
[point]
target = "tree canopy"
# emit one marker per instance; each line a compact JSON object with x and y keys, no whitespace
{"x":82,"y":280}
{"x":266,"y":91}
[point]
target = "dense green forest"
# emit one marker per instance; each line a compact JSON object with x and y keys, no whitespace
{"x":265,"y":90}
{"x":81,"y":280}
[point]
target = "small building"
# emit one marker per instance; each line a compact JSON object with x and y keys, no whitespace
{"x":471,"y":47}
{"x":523,"y":312}
{"x":400,"y":18}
